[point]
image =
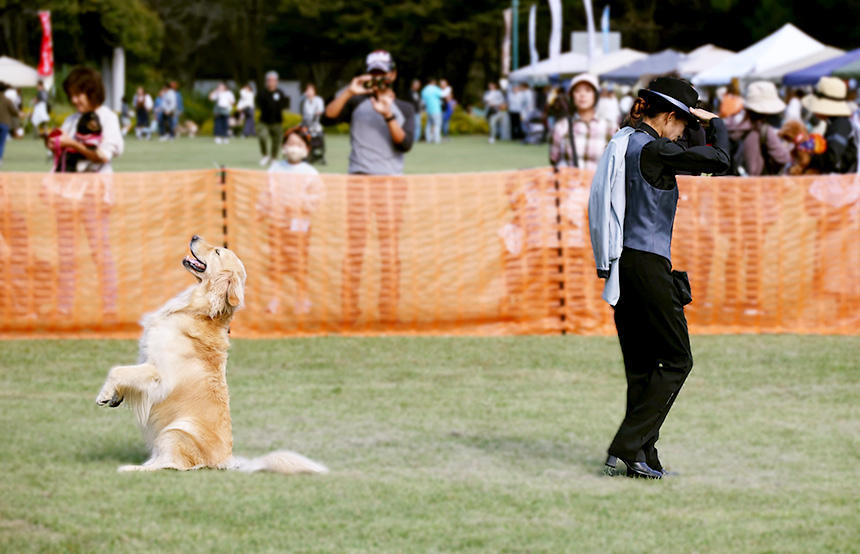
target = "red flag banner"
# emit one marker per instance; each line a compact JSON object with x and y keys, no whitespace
{"x":46,"y":59}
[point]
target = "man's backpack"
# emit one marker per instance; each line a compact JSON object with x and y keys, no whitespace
{"x":736,"y":150}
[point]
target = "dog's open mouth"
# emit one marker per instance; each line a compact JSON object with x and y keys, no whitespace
{"x":193,"y":263}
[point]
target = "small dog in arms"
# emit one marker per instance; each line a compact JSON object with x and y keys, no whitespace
{"x":178,"y":390}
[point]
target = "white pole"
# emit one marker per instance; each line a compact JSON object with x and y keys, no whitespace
{"x":533,"y":53}
{"x":118,"y":78}
{"x":589,"y":21}
{"x":555,"y":28}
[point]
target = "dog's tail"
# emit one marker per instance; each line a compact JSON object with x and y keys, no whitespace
{"x":281,"y":461}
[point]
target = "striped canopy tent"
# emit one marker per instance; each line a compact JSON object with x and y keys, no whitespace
{"x":810,"y":75}
{"x":850,"y":71}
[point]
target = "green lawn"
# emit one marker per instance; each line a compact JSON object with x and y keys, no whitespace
{"x":444,"y":445}
{"x":460,"y":154}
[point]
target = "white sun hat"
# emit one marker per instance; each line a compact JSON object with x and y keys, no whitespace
{"x":762,"y":98}
{"x":829,"y":98}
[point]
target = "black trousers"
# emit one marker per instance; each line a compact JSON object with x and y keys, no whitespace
{"x":655,"y":344}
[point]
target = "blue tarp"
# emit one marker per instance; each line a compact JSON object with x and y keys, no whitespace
{"x":810,"y":75}
{"x":655,"y":64}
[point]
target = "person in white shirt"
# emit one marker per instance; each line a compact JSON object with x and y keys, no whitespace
{"x":312,"y":108}
{"x":608,"y":107}
{"x":497,"y":113}
{"x":294,"y":191}
{"x":794,"y":110}
{"x":12,"y":94}
{"x":246,"y":108}
{"x":81,"y":199}
{"x":168,"y":110}
{"x":142,"y":107}
{"x":224,"y":101}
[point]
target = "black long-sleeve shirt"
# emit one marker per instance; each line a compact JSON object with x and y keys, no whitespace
{"x":662,"y":159}
{"x":272,"y":103}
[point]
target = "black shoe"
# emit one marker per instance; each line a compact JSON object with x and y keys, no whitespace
{"x":609,"y":466}
{"x":640,"y":470}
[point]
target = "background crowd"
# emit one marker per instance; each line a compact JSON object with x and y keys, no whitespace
{"x":773,"y":131}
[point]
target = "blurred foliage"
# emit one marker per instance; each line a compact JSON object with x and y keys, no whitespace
{"x":463,"y":123}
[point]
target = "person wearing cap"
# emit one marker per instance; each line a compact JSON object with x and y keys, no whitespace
{"x":829,"y":102}
{"x":648,"y":297}
{"x":272,"y":102}
{"x":381,"y":131}
{"x":590,"y":133}
{"x":761,"y":151}
{"x":381,"y":127}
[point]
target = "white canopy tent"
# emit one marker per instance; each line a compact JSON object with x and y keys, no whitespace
{"x":17,"y":74}
{"x":777,"y":73}
{"x":571,"y":63}
{"x":784,"y":46}
{"x":568,"y":63}
{"x":702,"y":58}
{"x":614,"y":60}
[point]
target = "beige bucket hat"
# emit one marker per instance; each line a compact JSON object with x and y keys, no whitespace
{"x":829,"y":98}
{"x":584,"y":78}
{"x":762,"y":98}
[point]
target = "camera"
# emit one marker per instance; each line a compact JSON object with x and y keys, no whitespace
{"x":379,"y":82}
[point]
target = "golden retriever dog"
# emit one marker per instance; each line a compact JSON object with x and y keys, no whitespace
{"x":178,"y":390}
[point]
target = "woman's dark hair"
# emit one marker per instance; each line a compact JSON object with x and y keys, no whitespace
{"x":643,"y":108}
{"x":774,"y":120}
{"x":87,"y":81}
{"x":300,"y":130}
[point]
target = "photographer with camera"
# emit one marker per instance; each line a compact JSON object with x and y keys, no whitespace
{"x":381,"y":127}
{"x":381,"y":130}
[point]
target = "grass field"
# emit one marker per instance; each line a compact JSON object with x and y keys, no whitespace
{"x":444,"y":445}
{"x":462,"y":153}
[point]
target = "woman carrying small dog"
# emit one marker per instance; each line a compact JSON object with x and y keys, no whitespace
{"x":647,"y":295}
{"x":87,"y":142}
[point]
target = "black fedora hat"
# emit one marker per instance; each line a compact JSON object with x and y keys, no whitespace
{"x":675,"y":94}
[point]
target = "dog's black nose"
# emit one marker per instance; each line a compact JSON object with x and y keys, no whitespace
{"x":195,"y":237}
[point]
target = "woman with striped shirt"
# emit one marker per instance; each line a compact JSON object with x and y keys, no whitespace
{"x":590,"y":133}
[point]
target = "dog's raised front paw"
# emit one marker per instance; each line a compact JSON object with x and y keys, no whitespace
{"x":108,"y":397}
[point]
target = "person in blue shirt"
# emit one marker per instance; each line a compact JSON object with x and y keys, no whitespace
{"x":431,"y":95}
{"x":180,"y":107}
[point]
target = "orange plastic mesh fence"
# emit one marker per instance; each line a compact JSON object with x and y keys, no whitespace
{"x":764,"y":255}
{"x":480,"y":254}
{"x":88,"y":254}
{"x":406,"y":254}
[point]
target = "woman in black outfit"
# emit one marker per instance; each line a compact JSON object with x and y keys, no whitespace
{"x":649,"y":314}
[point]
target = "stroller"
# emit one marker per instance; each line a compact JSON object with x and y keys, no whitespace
{"x":315,"y":128}
{"x":534,"y":128}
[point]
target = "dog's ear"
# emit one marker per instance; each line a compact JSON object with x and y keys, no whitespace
{"x":225,"y":291}
{"x":235,"y":290}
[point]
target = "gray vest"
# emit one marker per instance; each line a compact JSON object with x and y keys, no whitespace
{"x":650,"y":211}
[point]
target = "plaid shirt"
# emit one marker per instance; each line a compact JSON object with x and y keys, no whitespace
{"x":591,"y":138}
